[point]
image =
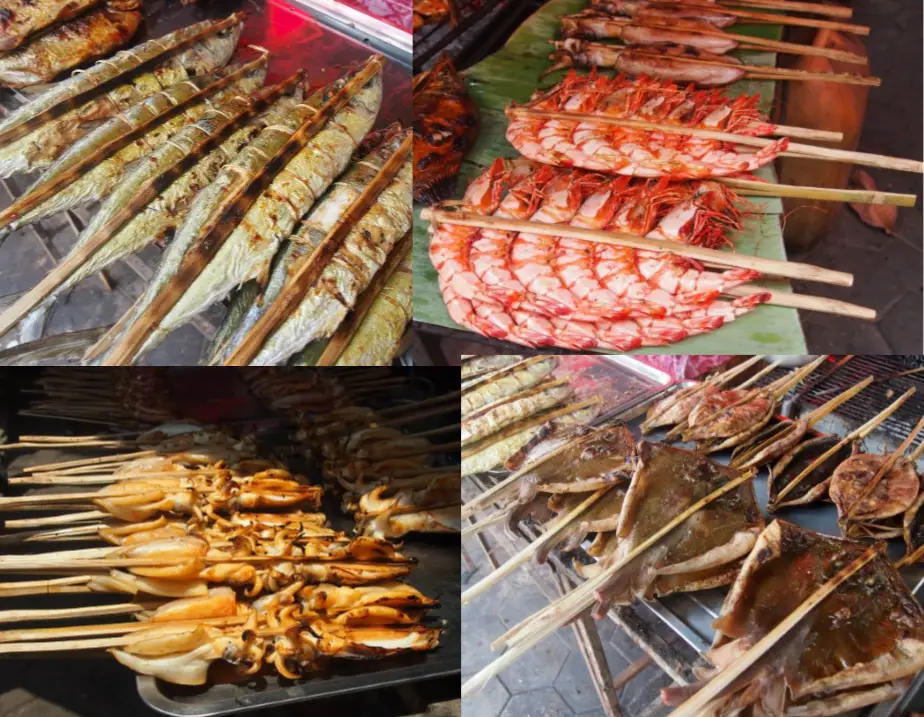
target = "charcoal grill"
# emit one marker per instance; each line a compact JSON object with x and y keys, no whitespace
{"x":689,"y":616}
{"x":324,"y":43}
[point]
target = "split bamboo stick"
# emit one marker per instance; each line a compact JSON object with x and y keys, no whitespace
{"x":756,"y":188}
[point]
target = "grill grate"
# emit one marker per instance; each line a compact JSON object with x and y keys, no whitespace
{"x":886,"y":387}
{"x":430,"y":40}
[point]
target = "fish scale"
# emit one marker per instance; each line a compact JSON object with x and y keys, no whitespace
{"x":249,"y":304}
{"x":43,"y":145}
{"x":349,"y":271}
{"x":249,"y":249}
{"x":168,"y":209}
{"x":250,"y":160}
{"x":101,"y":179}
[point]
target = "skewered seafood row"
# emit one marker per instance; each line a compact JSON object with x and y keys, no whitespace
{"x":641,"y":152}
{"x":542,"y":290}
{"x":858,"y":647}
{"x":45,"y":56}
{"x":25,"y":18}
{"x":473,"y":367}
{"x":38,"y":132}
{"x":446,"y":124}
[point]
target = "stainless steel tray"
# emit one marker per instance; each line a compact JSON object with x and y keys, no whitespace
{"x":437,"y":576}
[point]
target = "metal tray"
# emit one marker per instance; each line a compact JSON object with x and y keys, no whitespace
{"x":437,"y":575}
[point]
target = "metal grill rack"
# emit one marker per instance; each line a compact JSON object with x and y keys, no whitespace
{"x":886,"y":387}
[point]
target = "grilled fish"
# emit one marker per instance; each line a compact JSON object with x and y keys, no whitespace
{"x":446,"y":124}
{"x":496,"y":454}
{"x":85,"y":38}
{"x":167,"y":211}
{"x":41,"y":146}
{"x":347,"y":274}
{"x":249,"y":303}
{"x":475,"y":366}
{"x":507,"y":382}
{"x":495,"y":416}
{"x":252,"y":160}
{"x":379,"y":336}
{"x":20,"y":19}
{"x":98,"y":181}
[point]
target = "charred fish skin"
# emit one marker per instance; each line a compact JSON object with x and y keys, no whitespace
{"x":23,"y":18}
{"x":378,"y":338}
{"x":513,"y":381}
{"x":249,"y":160}
{"x":483,"y":424}
{"x":499,"y":452}
{"x":249,"y":304}
{"x":475,"y":366}
{"x":99,"y":180}
{"x":249,"y":249}
{"x":168,"y":209}
{"x":63,"y":47}
{"x":348,"y":273}
{"x":43,"y":145}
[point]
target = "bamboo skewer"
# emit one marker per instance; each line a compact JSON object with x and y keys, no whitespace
{"x":547,"y":538}
{"x":886,"y":467}
{"x":29,"y":615}
{"x":28,"y":566}
{"x":545,"y":622}
{"x":532,"y":421}
{"x":104,"y":478}
{"x":786,"y":269}
{"x":78,"y":439}
{"x":483,"y":524}
{"x":911,"y":558}
{"x":775,"y":19}
{"x":123,"y":458}
{"x":66,"y":519}
{"x":124,"y":628}
{"x":854,"y":435}
{"x":752,"y":187}
{"x":306,"y":272}
{"x":498,"y":489}
{"x":420,"y":404}
{"x":697,"y":704}
{"x":839,"y":11}
{"x":806,"y":302}
{"x":810,"y":420}
{"x":795,"y":149}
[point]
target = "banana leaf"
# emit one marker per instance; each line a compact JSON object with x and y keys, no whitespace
{"x":513,"y":74}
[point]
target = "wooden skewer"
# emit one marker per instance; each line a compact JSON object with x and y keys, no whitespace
{"x":108,"y":563}
{"x":498,"y":373}
{"x":420,"y":404}
{"x":820,"y":135}
{"x":499,"y":489}
{"x":548,"y":537}
{"x":78,"y":439}
{"x":12,"y":616}
{"x":67,"y":519}
{"x":787,"y":269}
{"x":696,"y":705}
{"x":124,"y":628}
{"x":795,"y":149}
{"x":436,"y":410}
{"x":536,"y":420}
{"x":806,"y":302}
{"x":10,"y":589}
{"x":911,"y":558}
{"x":483,"y":524}
{"x":886,"y":467}
{"x":752,"y":187}
{"x":122,"y":457}
{"x":545,"y":622}
{"x":845,"y":13}
{"x":410,"y":452}
{"x":776,"y":19}
{"x":859,"y":433}
{"x":104,"y":478}
{"x":86,"y":444}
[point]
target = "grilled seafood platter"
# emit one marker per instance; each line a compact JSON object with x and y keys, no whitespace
{"x":234,"y":560}
{"x":197,"y":148}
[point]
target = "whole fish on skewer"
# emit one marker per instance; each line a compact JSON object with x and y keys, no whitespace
{"x":347,"y":274}
{"x":152,"y":220}
{"x":66,"y":46}
{"x":495,"y":416}
{"x":20,"y":19}
{"x":250,"y":303}
{"x":98,"y":181}
{"x":506,"y":382}
{"x":499,"y":452}
{"x":475,"y":366}
{"x":249,"y":249}
{"x":41,"y":145}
